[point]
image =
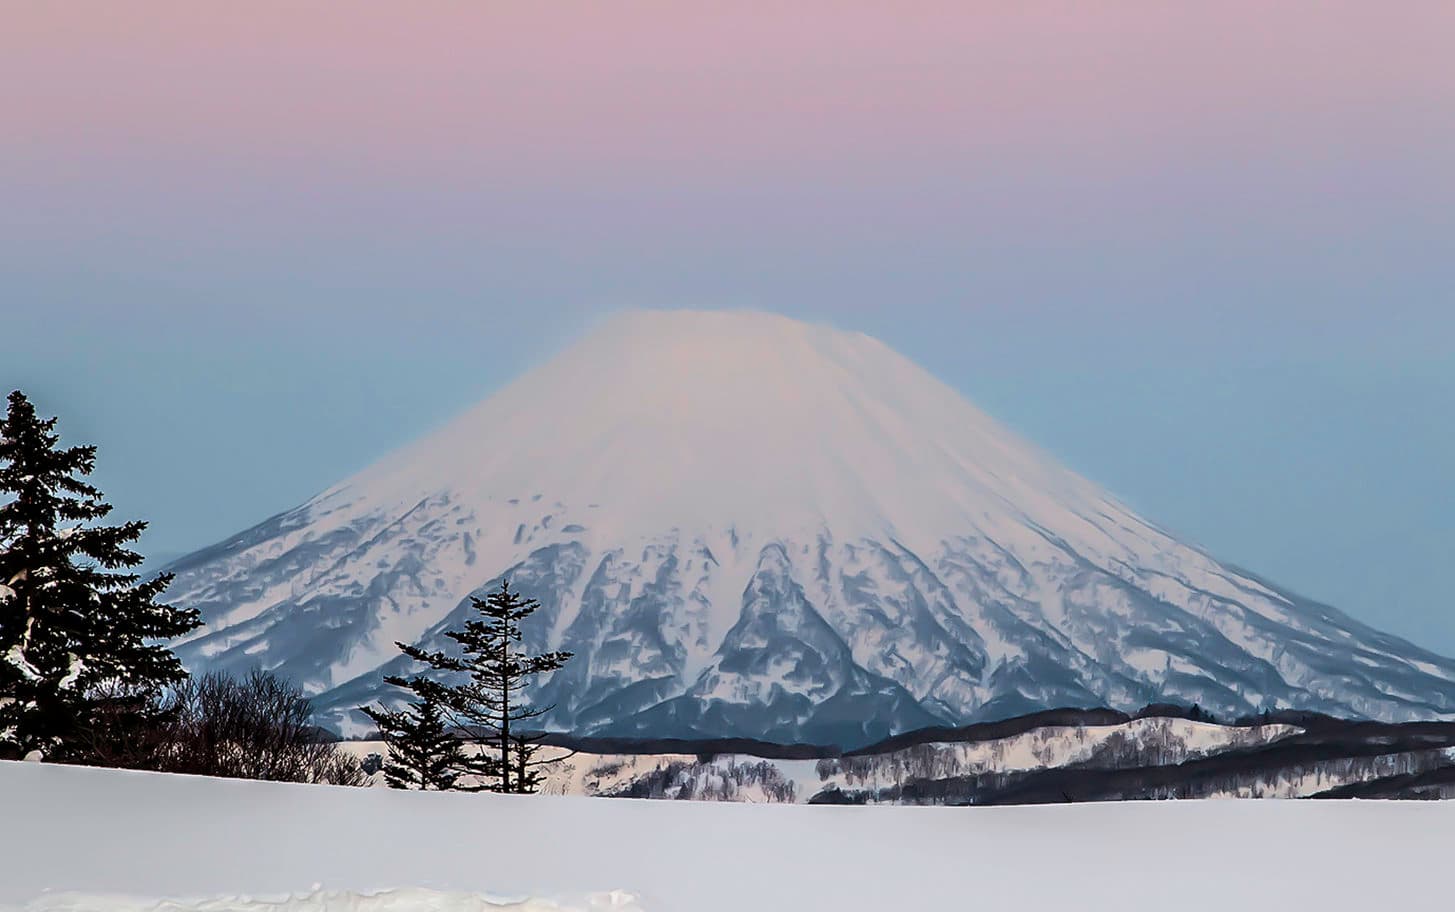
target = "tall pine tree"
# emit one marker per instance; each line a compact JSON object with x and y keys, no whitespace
{"x":77,"y":627}
{"x":491,"y":700}
{"x":423,"y":753}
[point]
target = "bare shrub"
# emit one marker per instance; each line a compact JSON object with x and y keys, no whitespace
{"x":127,"y":728}
{"x":256,"y":727}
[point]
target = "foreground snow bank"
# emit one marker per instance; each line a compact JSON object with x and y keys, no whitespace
{"x":106,"y":832}
{"x":323,"y":901}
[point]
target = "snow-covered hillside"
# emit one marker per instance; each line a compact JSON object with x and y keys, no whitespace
{"x":77,"y":830}
{"x":747,"y":526}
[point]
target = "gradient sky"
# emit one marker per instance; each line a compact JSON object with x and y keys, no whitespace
{"x":1204,"y":253}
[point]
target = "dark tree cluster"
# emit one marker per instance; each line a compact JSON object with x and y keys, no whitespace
{"x":709,"y":782}
{"x":81,"y":633}
{"x":85,"y":672}
{"x":492,"y":670}
{"x":423,"y":752}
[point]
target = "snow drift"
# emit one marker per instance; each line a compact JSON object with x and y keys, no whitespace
{"x":747,"y":526}
{"x":328,"y":901}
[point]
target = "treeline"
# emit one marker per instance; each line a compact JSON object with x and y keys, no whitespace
{"x":255,"y":727}
{"x":699,"y":781}
{"x":1398,"y":760}
{"x":480,"y":689}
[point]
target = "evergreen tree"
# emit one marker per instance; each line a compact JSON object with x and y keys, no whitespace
{"x":491,"y":700}
{"x":526,"y":775}
{"x":79,"y":632}
{"x":423,"y":754}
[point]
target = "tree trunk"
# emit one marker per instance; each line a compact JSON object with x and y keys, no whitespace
{"x":505,"y":736}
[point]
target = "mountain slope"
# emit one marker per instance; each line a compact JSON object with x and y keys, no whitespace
{"x":744,"y":525}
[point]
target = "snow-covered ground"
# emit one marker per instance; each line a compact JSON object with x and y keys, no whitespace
{"x":104,"y":832}
{"x":331,"y":901}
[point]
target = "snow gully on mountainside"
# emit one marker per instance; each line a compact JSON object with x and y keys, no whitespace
{"x":745,"y":525}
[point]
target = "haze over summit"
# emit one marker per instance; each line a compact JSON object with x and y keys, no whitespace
{"x":707,"y":417}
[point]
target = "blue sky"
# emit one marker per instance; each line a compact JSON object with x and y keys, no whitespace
{"x":1226,"y":292}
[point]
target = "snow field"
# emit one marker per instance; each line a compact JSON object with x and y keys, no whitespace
{"x":324,"y":901}
{"x":113,"y":833}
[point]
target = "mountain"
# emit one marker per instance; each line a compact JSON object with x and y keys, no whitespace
{"x":743,"y":525}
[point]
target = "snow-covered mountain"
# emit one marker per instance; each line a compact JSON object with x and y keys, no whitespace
{"x":745,"y":525}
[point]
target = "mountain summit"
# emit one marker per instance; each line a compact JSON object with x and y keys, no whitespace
{"x":745,"y":525}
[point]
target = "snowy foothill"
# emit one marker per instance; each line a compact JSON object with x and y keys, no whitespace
{"x":74,"y":834}
{"x":584,"y":773}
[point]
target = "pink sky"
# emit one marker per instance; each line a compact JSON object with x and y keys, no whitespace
{"x":711,"y":93}
{"x":239,"y":134}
